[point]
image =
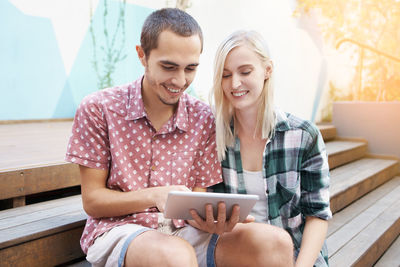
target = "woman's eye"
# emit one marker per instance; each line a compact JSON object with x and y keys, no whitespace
{"x":226,"y":75}
{"x":246,"y":72}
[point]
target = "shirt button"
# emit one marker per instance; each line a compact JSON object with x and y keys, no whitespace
{"x":153,"y":168}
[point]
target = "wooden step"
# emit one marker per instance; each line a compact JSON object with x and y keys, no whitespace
{"x":391,"y":256}
{"x":328,"y":132}
{"x":18,"y":183}
{"x":359,"y":234}
{"x":33,"y":144}
{"x":341,"y":152}
{"x":44,"y":234}
{"x":353,"y":180}
{"x":32,"y":159}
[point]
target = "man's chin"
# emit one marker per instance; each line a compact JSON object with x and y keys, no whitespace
{"x":170,"y":102}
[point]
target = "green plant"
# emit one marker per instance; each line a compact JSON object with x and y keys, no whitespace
{"x":112,"y":51}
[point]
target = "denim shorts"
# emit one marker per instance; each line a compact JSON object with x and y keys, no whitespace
{"x":110,"y":248}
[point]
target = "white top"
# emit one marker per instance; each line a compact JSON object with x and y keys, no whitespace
{"x":255,"y":184}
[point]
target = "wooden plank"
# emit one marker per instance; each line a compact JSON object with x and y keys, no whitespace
{"x":342,"y":152}
{"x":328,"y":132}
{"x":18,"y":202}
{"x":391,"y":256}
{"x":30,"y":144}
{"x":40,"y":207}
{"x":368,"y":245}
{"x":25,"y":218}
{"x":344,"y":216}
{"x":37,"y":229}
{"x":353,"y":180}
{"x":47,"y":251}
{"x":22,"y":182}
{"x":339,"y":239}
{"x":36,"y":121}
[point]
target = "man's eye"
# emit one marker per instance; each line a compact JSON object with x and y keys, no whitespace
{"x":168,"y":67}
{"x":190,"y":69}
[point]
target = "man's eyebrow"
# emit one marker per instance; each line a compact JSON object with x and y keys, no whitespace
{"x":167,"y":62}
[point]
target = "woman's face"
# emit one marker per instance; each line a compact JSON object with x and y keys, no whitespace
{"x":243,"y":78}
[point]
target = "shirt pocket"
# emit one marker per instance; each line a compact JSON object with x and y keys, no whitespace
{"x":288,"y":191}
{"x":181,"y":168}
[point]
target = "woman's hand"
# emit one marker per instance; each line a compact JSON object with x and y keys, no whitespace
{"x":221,"y":224}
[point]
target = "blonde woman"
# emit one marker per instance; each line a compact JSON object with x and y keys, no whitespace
{"x":267,"y":152}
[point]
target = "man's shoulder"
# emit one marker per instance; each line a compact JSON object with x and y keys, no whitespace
{"x":108,"y":96}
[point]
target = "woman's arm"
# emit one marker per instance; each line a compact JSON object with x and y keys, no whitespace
{"x":313,"y":238}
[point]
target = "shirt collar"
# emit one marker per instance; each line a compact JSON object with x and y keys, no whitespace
{"x":181,"y":117}
{"x":135,"y":101}
{"x":136,"y":109}
{"x":282,"y":121}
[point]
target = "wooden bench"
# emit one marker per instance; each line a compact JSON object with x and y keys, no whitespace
{"x":32,"y":160}
{"x":43,"y":234}
{"x":32,"y":169}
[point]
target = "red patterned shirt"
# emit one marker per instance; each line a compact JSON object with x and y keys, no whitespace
{"x":111,"y":131}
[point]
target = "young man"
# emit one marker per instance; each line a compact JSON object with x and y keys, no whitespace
{"x":135,"y":143}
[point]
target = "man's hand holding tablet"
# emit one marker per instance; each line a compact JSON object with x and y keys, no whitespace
{"x":210,"y":212}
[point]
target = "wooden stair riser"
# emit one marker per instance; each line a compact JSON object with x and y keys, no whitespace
{"x":46,"y":251}
{"x":20,"y":183}
{"x":344,"y":157}
{"x":343,"y":199}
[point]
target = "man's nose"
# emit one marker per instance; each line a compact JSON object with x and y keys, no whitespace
{"x":179,"y":79}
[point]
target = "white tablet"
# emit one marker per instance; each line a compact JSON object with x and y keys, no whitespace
{"x":179,"y":204}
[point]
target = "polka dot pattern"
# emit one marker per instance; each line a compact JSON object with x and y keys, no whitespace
{"x":111,"y":132}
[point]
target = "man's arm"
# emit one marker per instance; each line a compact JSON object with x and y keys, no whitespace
{"x":100,"y":201}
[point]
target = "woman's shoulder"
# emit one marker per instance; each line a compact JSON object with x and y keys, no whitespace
{"x":289,"y":122}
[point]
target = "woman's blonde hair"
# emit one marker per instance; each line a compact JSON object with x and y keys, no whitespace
{"x":223,"y":109}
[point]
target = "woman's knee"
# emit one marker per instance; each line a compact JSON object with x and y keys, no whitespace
{"x":271,"y":246}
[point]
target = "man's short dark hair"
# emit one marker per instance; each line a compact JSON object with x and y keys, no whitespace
{"x":173,"y":19}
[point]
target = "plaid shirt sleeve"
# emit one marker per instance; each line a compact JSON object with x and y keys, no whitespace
{"x":314,"y":173}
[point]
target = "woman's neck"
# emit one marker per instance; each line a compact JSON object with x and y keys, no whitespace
{"x":247,"y":123}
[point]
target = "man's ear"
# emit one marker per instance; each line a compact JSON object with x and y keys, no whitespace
{"x":141,"y":55}
{"x":268,"y":70}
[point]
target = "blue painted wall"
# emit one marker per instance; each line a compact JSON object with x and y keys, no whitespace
{"x":34,"y":84}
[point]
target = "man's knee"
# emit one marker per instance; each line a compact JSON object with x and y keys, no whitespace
{"x":155,"y":249}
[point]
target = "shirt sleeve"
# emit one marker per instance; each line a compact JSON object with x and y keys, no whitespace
{"x":315,"y":176}
{"x":207,"y":170}
{"x":88,"y":144}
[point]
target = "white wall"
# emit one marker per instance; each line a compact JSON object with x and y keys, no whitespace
{"x":377,"y":122}
{"x":297,"y":59}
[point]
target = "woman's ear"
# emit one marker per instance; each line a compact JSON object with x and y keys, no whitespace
{"x":141,"y":55}
{"x":268,"y":70}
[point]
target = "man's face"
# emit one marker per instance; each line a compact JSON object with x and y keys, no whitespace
{"x":170,"y":68}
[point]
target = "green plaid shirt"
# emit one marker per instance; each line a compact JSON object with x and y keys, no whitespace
{"x":296,"y":173}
